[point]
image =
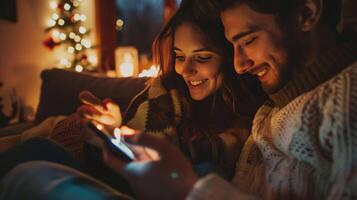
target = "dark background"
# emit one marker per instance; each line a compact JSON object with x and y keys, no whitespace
{"x":8,"y":10}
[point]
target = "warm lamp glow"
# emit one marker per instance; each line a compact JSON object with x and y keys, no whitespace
{"x":126,"y":61}
{"x":126,"y":69}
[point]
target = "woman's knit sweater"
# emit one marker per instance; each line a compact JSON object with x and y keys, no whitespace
{"x":304,"y":141}
{"x":158,"y":111}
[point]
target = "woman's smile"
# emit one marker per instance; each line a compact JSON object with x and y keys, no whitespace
{"x":196,"y":82}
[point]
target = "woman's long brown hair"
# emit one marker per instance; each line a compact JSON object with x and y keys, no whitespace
{"x":232,"y":92}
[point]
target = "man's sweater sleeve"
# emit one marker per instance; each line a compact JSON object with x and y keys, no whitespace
{"x":214,"y":187}
{"x":339,"y":135}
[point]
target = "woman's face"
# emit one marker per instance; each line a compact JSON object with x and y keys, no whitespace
{"x":196,"y":62}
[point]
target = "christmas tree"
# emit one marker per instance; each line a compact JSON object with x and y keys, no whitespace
{"x":66,"y":29}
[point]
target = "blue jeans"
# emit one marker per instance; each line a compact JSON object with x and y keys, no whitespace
{"x":47,"y":180}
{"x":36,"y":149}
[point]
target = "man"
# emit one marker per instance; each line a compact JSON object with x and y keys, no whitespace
{"x":303,"y":142}
{"x":306,"y":135}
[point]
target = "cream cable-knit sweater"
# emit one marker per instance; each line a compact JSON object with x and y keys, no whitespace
{"x":304,"y":142}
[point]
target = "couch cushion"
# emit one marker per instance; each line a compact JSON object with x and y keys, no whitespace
{"x":60,"y":89}
{"x":15,"y":129}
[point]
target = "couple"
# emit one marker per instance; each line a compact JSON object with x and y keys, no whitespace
{"x":303,"y":139}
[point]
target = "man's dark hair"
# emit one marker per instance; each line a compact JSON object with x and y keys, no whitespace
{"x":282,"y":9}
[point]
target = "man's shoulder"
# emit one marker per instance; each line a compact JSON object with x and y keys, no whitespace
{"x":345,"y":76}
{"x":335,"y":89}
{"x":341,"y":81}
{"x":349,"y":70}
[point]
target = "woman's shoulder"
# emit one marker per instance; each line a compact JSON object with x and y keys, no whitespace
{"x":154,"y":109}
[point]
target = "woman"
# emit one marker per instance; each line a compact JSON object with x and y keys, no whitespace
{"x":195,"y":103}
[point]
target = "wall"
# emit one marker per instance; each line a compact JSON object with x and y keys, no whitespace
{"x":22,"y":54}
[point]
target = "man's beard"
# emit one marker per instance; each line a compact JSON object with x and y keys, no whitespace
{"x":293,"y":65}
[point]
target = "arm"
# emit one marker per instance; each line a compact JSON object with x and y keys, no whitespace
{"x":102,"y":111}
{"x":338,"y":135}
{"x":157,"y":176}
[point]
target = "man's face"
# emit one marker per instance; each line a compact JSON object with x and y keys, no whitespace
{"x":260,"y":47}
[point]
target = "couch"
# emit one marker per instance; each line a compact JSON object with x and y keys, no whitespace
{"x":59,"y":97}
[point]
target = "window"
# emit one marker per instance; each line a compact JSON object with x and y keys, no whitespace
{"x":138,"y":23}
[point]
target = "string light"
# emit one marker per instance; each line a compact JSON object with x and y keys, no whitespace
{"x":78,"y":47}
{"x":72,"y":35}
{"x":79,"y":68}
{"x":62,"y":36}
{"x":67,"y":6}
{"x":64,"y":62}
{"x":82,"y":30}
{"x":53,"y":5}
{"x":61,"y":22}
{"x":55,"y":16}
{"x":83,"y":18}
{"x":86,"y":43}
{"x":65,"y":27}
{"x":77,"y":17}
{"x":77,"y":38}
{"x":55,"y":34}
{"x":119,"y":24}
{"x":70,"y":49}
{"x":51,"y":22}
